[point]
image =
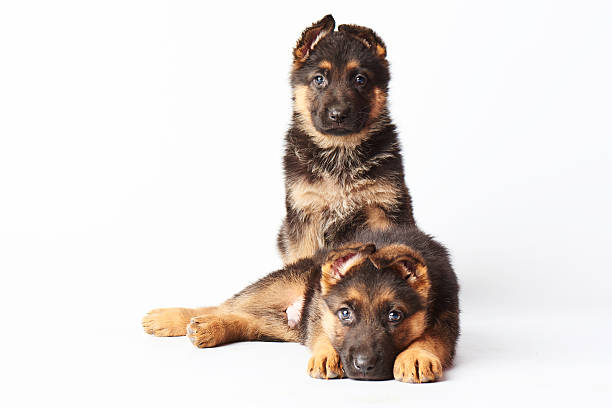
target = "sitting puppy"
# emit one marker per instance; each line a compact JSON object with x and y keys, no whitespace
{"x":342,"y":163}
{"x":383,"y":306}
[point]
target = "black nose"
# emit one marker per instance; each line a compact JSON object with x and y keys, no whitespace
{"x":364,"y":362}
{"x":338,"y":114}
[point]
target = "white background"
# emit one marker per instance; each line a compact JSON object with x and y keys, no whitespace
{"x":140,"y":167}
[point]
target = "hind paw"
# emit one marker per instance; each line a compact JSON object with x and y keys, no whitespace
{"x":206,"y":331}
{"x":166,"y":322}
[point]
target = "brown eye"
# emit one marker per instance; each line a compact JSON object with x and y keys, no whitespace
{"x":360,"y":80}
{"x":394,"y":316}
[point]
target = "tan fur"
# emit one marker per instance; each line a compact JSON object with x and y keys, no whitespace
{"x":380,"y":102}
{"x":421,"y":285}
{"x":352,"y":64}
{"x":169,"y":322}
{"x":302,"y":101}
{"x":327,"y":201}
{"x":341,"y":200}
{"x":277,"y":295}
{"x":356,"y":295}
{"x":325,"y":361}
{"x":214,"y":329}
{"x":226,"y":326}
{"x":425,"y":358}
{"x":211,"y":330}
{"x":396,"y":251}
{"x":393,"y":254}
{"x":325,"y":65}
{"x":331,"y":328}
{"x":377,"y":220}
{"x":336,"y":201}
{"x":409,"y":330}
{"x":417,"y":365}
{"x":434,"y":345}
{"x":310,"y":240}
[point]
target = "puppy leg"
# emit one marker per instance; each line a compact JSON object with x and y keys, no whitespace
{"x":269,"y":309}
{"x":266,"y":310}
{"x":425,"y":358}
{"x":325,"y":362}
{"x":171,"y":321}
{"x":223,"y":327}
{"x":258,"y":312}
{"x":419,"y":363}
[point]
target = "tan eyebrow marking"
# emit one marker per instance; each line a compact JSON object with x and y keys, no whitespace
{"x":352,"y":64}
{"x":325,"y":65}
{"x":355,"y":296}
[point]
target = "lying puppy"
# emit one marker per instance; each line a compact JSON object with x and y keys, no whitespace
{"x":383,"y":306}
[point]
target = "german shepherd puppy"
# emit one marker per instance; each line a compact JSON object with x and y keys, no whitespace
{"x":382,"y":306}
{"x":343,"y":167}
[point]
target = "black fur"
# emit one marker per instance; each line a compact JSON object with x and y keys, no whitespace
{"x":376,"y":158}
{"x":442,"y":308}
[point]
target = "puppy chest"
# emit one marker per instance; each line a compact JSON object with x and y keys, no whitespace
{"x":329,"y":200}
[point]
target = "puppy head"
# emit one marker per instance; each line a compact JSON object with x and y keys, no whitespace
{"x":340,"y":81}
{"x":376,"y":302}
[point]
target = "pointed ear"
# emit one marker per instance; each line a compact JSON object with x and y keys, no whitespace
{"x":368,"y":37}
{"x":340,"y":261}
{"x":408,"y":263}
{"x":311,"y":36}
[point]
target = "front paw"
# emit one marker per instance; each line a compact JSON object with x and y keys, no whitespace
{"x":325,"y":364}
{"x":206,"y":331}
{"x":417,"y":366}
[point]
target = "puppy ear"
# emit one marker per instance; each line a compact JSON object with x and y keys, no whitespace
{"x":340,"y":261}
{"x":311,"y":36}
{"x":408,"y":262}
{"x":367,"y":36}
